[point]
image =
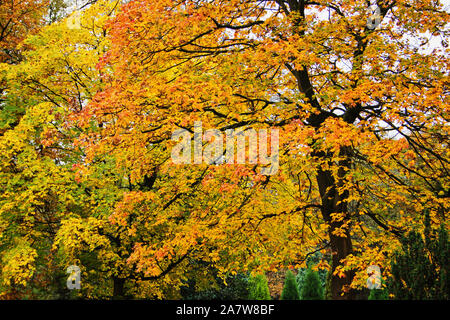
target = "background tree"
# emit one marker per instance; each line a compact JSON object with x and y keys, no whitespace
{"x":87,"y":117}
{"x":39,"y":188}
{"x":379,"y":294}
{"x":29,"y":182}
{"x":420,"y":269}
{"x":258,"y":288}
{"x":290,"y":290}
{"x":312,"y":260}
{"x":311,"y":289}
{"x":353,"y":102}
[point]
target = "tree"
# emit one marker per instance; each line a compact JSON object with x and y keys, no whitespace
{"x":29,"y":182}
{"x":290,"y":290}
{"x":18,"y":19}
{"x":87,"y":117}
{"x":258,"y":288}
{"x":420,"y":269}
{"x":357,"y":146}
{"x":311,"y":288}
{"x":312,"y":261}
{"x":39,"y":188}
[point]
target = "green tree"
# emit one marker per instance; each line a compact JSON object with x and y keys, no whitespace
{"x":311,"y":261}
{"x":311,"y":288}
{"x":420,"y":270}
{"x":290,"y":290}
{"x":259,"y":288}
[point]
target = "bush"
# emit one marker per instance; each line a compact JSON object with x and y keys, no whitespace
{"x":290,"y":290}
{"x":420,"y":270}
{"x":311,"y":288}
{"x":258,"y":288}
{"x":378,"y":294}
{"x":311,"y":261}
{"x":235,"y":289}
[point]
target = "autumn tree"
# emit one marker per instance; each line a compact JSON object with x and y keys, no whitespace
{"x":37,"y":181}
{"x":87,"y":173}
{"x":361,"y":110}
{"x":19,"y":259}
{"x":18,"y":19}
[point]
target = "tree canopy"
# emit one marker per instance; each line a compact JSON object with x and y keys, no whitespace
{"x":87,"y":114}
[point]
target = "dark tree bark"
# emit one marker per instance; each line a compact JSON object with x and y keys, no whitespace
{"x":335,"y":202}
{"x":341,"y":247}
{"x":118,"y":288}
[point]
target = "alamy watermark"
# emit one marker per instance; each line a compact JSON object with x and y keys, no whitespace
{"x":212,"y":152}
{"x":74,"y":20}
{"x":374,"y":19}
{"x":374,"y":279}
{"x":74,"y":279}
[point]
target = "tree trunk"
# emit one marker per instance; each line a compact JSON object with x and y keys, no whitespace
{"x":118,"y":289}
{"x":341,"y":247}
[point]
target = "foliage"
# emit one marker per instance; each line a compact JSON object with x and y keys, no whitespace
{"x":420,"y":270}
{"x":86,"y":121}
{"x":39,"y":188}
{"x":258,"y":288}
{"x":18,"y":19}
{"x":313,"y":260}
{"x":290,"y":289}
{"x":234,"y":287}
{"x":353,"y":183}
{"x":379,"y":294}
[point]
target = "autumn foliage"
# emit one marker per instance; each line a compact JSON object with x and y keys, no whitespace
{"x":86,"y":122}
